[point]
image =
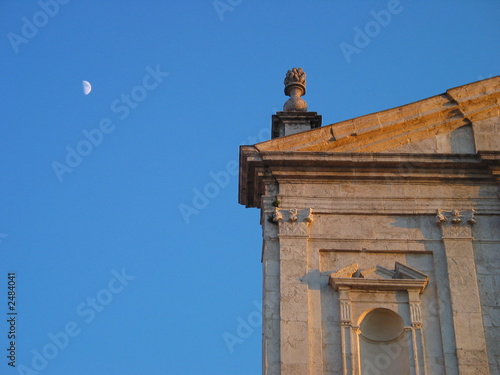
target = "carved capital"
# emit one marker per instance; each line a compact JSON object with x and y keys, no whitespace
{"x":292,"y":221}
{"x":456,"y":224}
{"x":456,"y":217}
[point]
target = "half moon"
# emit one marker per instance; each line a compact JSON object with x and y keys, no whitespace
{"x":86,"y":87}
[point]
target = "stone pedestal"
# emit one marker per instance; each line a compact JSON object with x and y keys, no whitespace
{"x":287,"y":123}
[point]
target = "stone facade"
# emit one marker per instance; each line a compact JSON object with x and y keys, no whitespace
{"x":381,"y":240}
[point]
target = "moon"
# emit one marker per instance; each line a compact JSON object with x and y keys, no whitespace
{"x":87,"y":88}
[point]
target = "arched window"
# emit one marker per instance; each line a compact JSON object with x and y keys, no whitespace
{"x":383,"y":343}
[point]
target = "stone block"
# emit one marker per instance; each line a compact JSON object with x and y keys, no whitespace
{"x":472,"y":362}
{"x":294,"y":368}
{"x":272,"y":284}
{"x":271,"y":268}
{"x":489,"y":287}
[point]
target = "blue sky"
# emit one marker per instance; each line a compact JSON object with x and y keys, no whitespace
{"x":119,"y":211}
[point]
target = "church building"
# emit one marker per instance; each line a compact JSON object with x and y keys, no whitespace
{"x":381,"y":236}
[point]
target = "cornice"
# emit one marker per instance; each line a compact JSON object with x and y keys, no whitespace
{"x":374,"y":284}
{"x":258,"y":168}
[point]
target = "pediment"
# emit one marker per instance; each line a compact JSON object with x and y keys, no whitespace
{"x":440,"y":124}
{"x":377,"y":272}
{"x":402,"y":277}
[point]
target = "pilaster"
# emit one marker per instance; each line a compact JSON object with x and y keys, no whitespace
{"x":300,"y":346}
{"x":456,"y":229}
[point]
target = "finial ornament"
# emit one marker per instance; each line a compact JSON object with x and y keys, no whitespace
{"x":295,"y":87}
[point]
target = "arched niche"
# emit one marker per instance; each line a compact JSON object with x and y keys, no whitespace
{"x":383,"y":343}
{"x":374,"y":298}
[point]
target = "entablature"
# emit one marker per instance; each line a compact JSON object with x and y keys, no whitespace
{"x":258,"y":168}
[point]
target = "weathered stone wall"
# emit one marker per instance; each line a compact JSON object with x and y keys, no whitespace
{"x":487,"y":134}
{"x":378,"y":240}
{"x":378,"y":223}
{"x":487,"y":257}
{"x":457,"y":141}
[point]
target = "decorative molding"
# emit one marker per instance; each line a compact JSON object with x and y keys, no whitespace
{"x":379,"y":284}
{"x":371,"y":206}
{"x":259,"y":167}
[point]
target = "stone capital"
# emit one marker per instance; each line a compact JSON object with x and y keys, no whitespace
{"x":456,"y":224}
{"x":292,"y":222}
